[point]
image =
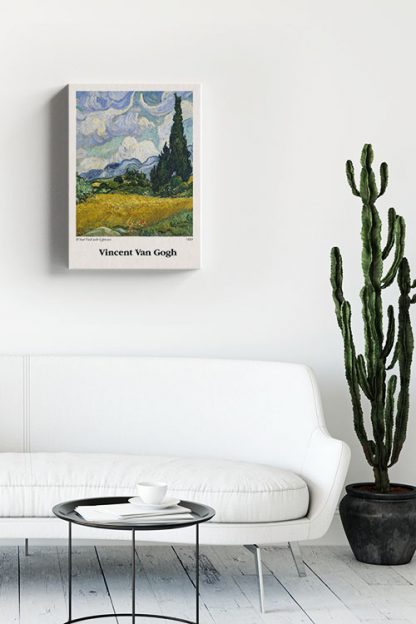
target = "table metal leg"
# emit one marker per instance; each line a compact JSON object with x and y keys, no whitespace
{"x":133,"y":585}
{"x":197,"y":572}
{"x":69,"y":571}
{"x":133,"y":576}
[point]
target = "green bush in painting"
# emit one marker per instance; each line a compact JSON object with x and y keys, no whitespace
{"x":132,"y":182}
{"x":83,"y":189}
{"x":180,"y":224}
{"x":177,"y":188}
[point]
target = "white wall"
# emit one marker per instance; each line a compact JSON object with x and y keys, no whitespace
{"x":291,"y":88}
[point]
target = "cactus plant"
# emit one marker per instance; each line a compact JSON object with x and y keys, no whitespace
{"x":371,"y":375}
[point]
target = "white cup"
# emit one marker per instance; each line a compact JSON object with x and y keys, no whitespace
{"x":152,"y":493}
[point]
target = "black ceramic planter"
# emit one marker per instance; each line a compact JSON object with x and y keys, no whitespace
{"x":381,"y":528}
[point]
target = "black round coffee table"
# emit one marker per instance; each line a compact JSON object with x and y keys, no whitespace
{"x":66,"y":511}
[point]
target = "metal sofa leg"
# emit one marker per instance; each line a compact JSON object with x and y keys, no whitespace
{"x":26,"y":547}
{"x":256,"y":551}
{"x":297,"y":558}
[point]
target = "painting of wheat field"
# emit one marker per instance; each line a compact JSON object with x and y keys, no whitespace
{"x":134,"y":163}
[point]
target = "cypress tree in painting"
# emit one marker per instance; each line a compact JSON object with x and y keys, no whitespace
{"x":162,"y":172}
{"x":180,"y":161}
{"x":173,"y":160}
{"x":154,"y":179}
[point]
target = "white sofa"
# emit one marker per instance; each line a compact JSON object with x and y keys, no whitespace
{"x":246,"y":437}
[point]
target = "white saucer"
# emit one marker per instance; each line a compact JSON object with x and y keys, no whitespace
{"x":168,"y":502}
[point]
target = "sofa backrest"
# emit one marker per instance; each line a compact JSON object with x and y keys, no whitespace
{"x":248,"y":410}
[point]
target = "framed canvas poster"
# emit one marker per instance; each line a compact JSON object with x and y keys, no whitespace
{"x":134,"y":187}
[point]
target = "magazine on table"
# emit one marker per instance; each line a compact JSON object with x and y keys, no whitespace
{"x":126,"y":512}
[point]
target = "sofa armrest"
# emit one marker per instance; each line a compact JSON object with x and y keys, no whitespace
{"x":324,"y":469}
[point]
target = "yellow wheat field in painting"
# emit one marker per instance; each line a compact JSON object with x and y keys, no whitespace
{"x":129,"y":211}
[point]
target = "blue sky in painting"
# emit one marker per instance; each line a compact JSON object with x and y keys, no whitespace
{"x":115,"y":125}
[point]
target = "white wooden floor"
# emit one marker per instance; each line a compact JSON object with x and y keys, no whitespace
{"x":337,"y":589}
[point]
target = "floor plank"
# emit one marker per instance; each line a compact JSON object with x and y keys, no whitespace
{"x":407,"y":571}
{"x":336,"y":590}
{"x":170,"y":583}
{"x":115,"y":562}
{"x":398,"y":602}
{"x":280,"y":606}
{"x":9,"y":584}
{"x":371,"y":574}
{"x":218,"y":590}
{"x":351,"y":588}
{"x":41,"y":588}
{"x":225,"y":601}
{"x":315,"y":598}
{"x":89,"y":591}
{"x":238,"y":560}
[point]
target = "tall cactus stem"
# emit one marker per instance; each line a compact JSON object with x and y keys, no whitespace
{"x":390,"y":235}
{"x":384,"y":178}
{"x":368,"y":374}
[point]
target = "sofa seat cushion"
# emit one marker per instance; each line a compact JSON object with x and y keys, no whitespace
{"x":32,"y":483}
